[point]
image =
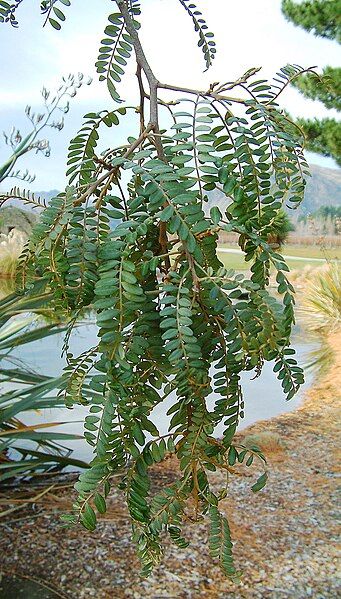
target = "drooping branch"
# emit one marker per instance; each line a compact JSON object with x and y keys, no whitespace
{"x":164,"y":326}
{"x":210,"y":93}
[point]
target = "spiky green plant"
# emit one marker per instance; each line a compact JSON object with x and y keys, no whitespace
{"x":321,"y":303}
{"x":281,"y":227}
{"x":28,"y":450}
{"x":11,"y":246}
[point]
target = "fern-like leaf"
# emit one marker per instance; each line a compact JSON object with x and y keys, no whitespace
{"x":115,"y":51}
{"x":206,"y":38}
{"x":54,"y":14}
{"x":25,"y":196}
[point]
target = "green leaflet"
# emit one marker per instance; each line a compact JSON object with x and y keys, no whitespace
{"x":206,"y":39}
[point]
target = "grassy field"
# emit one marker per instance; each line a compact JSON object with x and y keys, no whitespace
{"x":311,"y":256}
{"x":311,"y":252}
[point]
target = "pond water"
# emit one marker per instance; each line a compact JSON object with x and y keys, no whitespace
{"x":263,"y":396}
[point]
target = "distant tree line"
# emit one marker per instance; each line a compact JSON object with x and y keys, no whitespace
{"x":324,"y":213}
{"x":324,"y":221}
{"x":328,"y":212}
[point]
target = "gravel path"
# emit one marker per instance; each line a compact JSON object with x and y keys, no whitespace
{"x":285,"y":536}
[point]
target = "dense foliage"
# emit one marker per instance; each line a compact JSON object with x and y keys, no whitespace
{"x":281,"y":227}
{"x":322,"y":18}
{"x":172,"y":320}
{"x":323,"y":136}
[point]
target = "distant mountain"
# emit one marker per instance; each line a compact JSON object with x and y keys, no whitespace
{"x":47,"y":195}
{"x":323,"y":189}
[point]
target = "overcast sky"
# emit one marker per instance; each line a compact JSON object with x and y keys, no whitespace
{"x":248,"y":33}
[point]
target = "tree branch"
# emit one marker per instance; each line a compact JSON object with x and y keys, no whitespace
{"x":114,"y":170}
{"x":205,"y":94}
{"x":141,"y":61}
{"x":142,"y":97}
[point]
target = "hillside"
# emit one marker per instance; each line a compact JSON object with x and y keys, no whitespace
{"x":14,"y":217}
{"x":323,"y":189}
{"x":47,"y":195}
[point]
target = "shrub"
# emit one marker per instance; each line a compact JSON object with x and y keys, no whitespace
{"x":321,"y":301}
{"x":11,"y":246}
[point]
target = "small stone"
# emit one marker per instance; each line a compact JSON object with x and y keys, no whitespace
{"x":88,"y":568}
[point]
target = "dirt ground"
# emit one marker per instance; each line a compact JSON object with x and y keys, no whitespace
{"x":285,"y":536}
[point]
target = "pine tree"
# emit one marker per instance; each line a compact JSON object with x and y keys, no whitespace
{"x":322,"y":18}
